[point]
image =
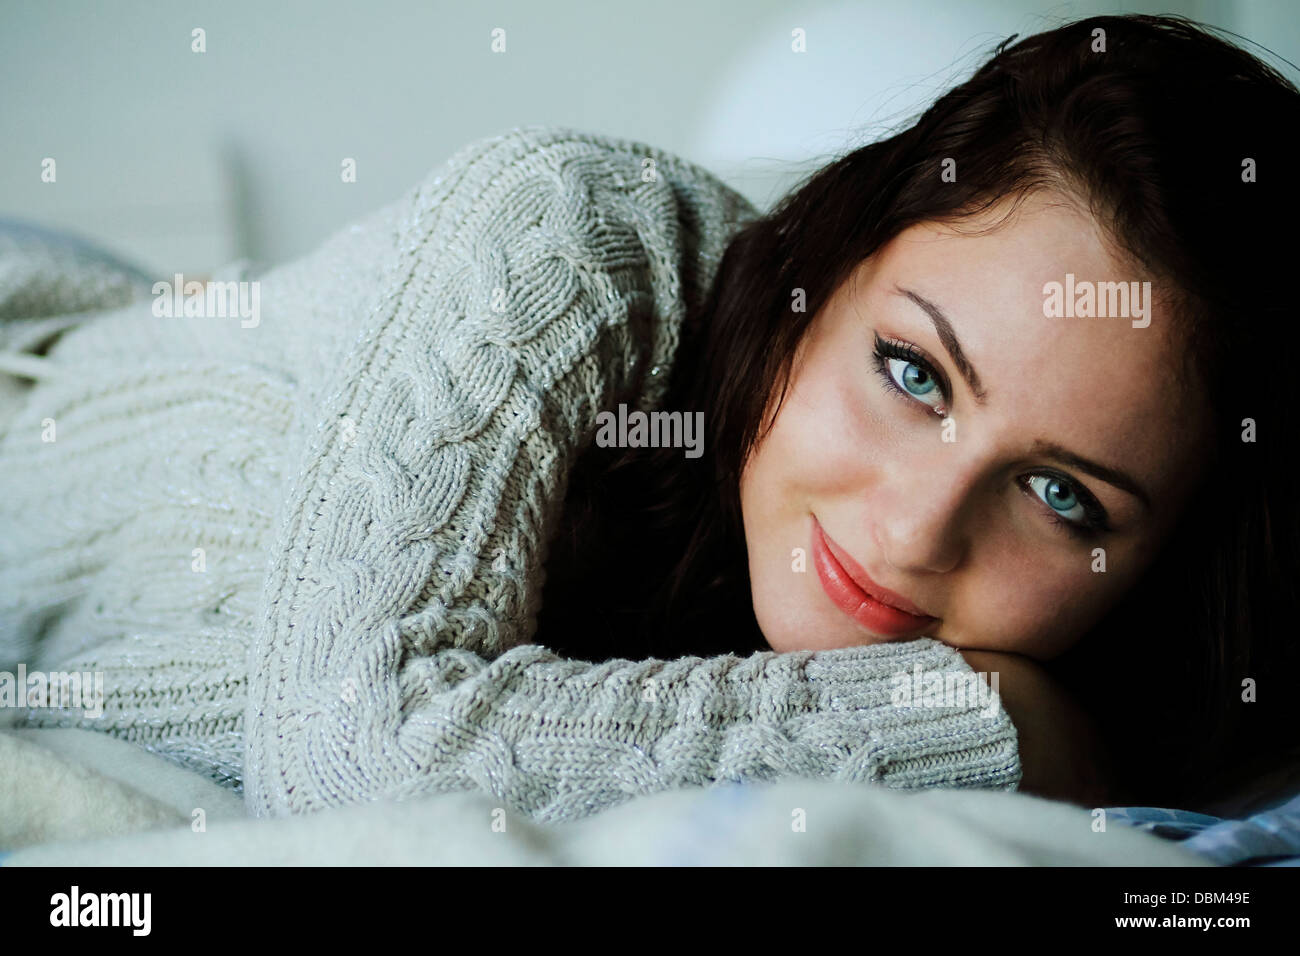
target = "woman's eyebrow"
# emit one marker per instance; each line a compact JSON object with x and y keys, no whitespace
{"x":1112,"y":476}
{"x":948,"y":338}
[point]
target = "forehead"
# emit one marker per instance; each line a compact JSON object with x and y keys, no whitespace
{"x":1097,"y":384}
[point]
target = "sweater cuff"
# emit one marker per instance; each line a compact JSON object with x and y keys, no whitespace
{"x":933,"y":720}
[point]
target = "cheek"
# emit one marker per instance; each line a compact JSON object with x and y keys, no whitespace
{"x":814,"y":454}
{"x":825,"y":441}
{"x":1016,"y":596}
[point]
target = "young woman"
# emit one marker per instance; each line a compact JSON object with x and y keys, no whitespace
{"x":928,"y":413}
{"x":1006,"y":391}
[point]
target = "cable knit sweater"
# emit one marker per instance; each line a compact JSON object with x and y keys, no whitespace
{"x":307,"y":553}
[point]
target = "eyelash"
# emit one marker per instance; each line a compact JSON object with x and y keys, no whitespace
{"x":1095,"y":522}
{"x":886,"y":349}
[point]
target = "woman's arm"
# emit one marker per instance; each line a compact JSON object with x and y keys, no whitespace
{"x":1061,"y":753}
{"x":559,"y":739}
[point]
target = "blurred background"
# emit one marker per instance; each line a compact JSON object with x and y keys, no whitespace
{"x":180,"y":160}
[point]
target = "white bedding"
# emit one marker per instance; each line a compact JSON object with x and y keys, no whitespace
{"x":77,"y":797}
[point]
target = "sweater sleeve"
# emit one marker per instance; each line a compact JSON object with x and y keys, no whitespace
{"x":558,"y":739}
{"x":536,"y":276}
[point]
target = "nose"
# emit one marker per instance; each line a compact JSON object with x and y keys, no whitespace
{"x":919,"y":516}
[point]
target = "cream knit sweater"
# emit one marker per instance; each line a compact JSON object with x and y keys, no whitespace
{"x":307,"y":555}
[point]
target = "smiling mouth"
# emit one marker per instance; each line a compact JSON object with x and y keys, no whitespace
{"x":878,"y":610}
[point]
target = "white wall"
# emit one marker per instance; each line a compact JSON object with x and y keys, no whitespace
{"x":872,"y":67}
{"x":184,"y":161}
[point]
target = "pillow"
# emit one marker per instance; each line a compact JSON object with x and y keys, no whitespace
{"x":47,"y":273}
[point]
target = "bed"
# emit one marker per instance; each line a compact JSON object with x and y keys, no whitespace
{"x":73,"y":797}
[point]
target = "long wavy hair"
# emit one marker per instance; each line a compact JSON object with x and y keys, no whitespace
{"x":1153,"y":135}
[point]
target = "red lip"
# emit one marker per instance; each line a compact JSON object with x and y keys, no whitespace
{"x":851,"y":590}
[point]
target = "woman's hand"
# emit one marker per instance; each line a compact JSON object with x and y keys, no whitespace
{"x":1061,"y":754}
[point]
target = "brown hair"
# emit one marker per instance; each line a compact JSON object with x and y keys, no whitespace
{"x":1151,"y":136}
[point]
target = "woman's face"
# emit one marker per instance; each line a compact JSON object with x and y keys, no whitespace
{"x":994,"y":477}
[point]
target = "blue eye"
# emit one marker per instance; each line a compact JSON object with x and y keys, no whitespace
{"x":1060,"y":496}
{"x":916,"y":381}
{"x":909,"y":373}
